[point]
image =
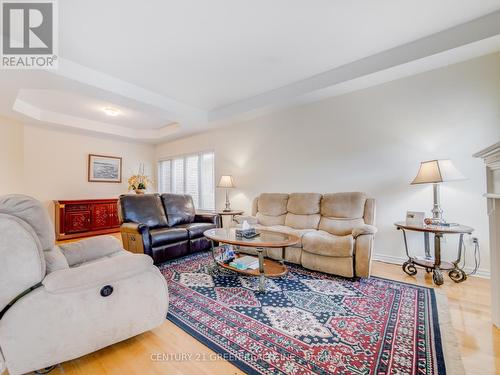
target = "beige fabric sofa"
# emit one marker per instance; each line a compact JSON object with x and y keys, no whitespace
{"x":336,"y":230}
{"x":53,"y":304}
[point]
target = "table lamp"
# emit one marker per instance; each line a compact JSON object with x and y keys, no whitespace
{"x":227,"y":183}
{"x":435,"y":172}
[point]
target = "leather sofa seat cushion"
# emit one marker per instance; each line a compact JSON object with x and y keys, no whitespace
{"x":304,"y":203}
{"x":166,"y":252}
{"x":324,"y":243}
{"x":146,"y":209}
{"x":343,"y":205}
{"x":179,"y":208}
{"x":272,"y":204}
{"x":196,"y":230}
{"x":285,"y":229}
{"x":164,"y":236}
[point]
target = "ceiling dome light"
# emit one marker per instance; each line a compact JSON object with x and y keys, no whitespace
{"x":111,"y":111}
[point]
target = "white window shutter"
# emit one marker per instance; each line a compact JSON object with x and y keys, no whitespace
{"x":191,"y":174}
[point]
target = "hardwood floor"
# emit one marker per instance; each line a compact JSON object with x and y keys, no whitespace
{"x":179,"y":353}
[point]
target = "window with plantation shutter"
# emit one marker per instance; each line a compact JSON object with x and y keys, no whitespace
{"x":189,"y":174}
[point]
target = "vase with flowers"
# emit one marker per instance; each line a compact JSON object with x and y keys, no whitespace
{"x":139,"y":182}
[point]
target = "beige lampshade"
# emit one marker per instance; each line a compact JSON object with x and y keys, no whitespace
{"x":226,"y":182}
{"x":436,"y":171}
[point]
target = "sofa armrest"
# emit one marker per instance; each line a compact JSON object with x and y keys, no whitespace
{"x":97,"y":274}
{"x":134,"y":228}
{"x":363,"y":230}
{"x":252,"y":220}
{"x":363,"y":250}
{"x":90,"y":249}
{"x":135,"y":238}
{"x":207,"y":217}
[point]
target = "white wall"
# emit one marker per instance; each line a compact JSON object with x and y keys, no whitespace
{"x":371,"y":140}
{"x":11,"y":156}
{"x":50,"y":164}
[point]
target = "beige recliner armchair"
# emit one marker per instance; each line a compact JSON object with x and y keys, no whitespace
{"x":61,"y":302}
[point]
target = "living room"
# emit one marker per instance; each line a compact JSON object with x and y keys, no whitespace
{"x":354,"y":160}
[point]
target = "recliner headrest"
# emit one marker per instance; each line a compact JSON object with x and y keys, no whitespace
{"x":32,"y":212}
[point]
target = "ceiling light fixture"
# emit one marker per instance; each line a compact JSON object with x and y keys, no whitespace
{"x":111,"y":111}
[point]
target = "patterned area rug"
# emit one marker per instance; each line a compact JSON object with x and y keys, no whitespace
{"x":307,"y":322}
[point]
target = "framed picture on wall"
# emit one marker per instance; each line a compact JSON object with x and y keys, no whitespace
{"x":105,"y":168}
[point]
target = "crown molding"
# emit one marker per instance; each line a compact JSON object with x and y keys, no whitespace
{"x":176,"y":110}
{"x":94,"y":127}
{"x":466,"y":41}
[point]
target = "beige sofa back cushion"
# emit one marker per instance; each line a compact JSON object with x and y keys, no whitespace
{"x":272,"y":204}
{"x":271,"y":208}
{"x":343,"y":205}
{"x":268,"y":220}
{"x":303,"y":210}
{"x":341,"y":212}
{"x":304,"y":203}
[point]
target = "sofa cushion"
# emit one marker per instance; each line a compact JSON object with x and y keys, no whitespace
{"x":179,"y":208}
{"x":343,"y":205}
{"x":339,"y":227}
{"x":286,"y":229}
{"x":196,"y":230}
{"x":272,"y":204}
{"x":302,"y":221}
{"x":268,"y":220}
{"x":164,"y":236}
{"x":33,"y":213}
{"x":324,"y":243}
{"x":166,"y":252}
{"x":304,"y":203}
{"x":90,"y":249}
{"x":335,"y":266}
{"x":145,"y":209}
{"x":292,"y":254}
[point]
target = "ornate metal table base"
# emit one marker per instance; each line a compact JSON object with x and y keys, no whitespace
{"x":434,"y":264}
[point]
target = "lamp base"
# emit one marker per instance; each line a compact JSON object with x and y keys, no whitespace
{"x":437,"y":212}
{"x":228,"y":204}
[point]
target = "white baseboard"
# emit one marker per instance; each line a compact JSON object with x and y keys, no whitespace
{"x":481,"y":272}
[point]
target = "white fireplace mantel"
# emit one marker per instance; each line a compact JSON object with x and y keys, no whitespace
{"x":491,"y":157}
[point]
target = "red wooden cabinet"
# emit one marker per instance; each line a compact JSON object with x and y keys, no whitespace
{"x":81,"y":218}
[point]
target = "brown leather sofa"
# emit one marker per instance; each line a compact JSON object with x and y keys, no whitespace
{"x":163,"y":227}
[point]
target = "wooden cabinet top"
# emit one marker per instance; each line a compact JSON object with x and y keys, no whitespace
{"x":83,"y":201}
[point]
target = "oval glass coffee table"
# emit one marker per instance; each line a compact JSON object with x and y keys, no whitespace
{"x":266,"y":238}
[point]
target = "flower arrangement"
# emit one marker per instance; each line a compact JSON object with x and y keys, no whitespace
{"x":139,"y":182}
